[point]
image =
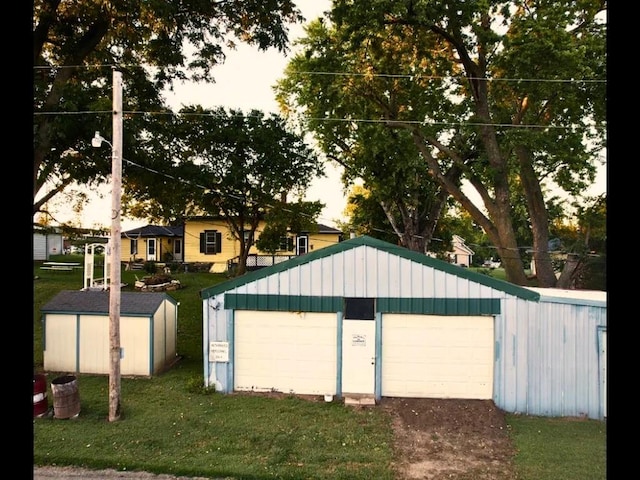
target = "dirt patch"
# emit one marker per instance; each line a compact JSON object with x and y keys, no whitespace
{"x":450,"y":439}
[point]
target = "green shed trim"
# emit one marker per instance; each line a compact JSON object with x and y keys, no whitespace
{"x":421,"y":306}
{"x":346,"y":245}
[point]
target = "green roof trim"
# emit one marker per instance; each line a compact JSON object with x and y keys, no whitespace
{"x":367,"y":241}
{"x":422,"y":306}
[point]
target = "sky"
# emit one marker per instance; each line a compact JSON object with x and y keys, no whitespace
{"x":245,"y":82}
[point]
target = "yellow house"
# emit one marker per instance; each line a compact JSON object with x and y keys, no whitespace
{"x":207,"y":239}
{"x":153,"y":243}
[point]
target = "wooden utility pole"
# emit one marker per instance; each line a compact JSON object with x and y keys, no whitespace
{"x":114,"y":252}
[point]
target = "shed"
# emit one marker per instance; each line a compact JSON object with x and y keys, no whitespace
{"x":76,"y":332}
{"x":368,"y":318}
{"x":46,"y":242}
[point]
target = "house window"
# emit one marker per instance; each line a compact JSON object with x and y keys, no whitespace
{"x":210,"y":242}
{"x":134,"y":246}
{"x":245,"y":237}
{"x":286,"y":244}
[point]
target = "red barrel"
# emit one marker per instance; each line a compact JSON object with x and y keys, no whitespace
{"x":40,"y":403}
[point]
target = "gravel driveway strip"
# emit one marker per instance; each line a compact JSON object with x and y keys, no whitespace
{"x":74,"y":473}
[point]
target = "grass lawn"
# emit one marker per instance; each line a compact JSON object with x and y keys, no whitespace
{"x":171,"y":424}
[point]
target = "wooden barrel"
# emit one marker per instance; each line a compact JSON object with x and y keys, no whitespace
{"x":66,"y":398}
{"x":40,"y":402}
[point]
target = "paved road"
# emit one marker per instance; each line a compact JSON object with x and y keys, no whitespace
{"x":73,"y":473}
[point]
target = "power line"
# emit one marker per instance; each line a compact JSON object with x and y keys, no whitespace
{"x":344,"y":120}
{"x":409,"y":76}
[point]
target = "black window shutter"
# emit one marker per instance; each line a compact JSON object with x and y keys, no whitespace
{"x":218,"y":242}
{"x":202,"y":242}
{"x":290,"y":244}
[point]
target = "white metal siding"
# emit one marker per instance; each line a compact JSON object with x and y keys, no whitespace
{"x":547,"y":359}
{"x":80,"y":343}
{"x":94,"y":344}
{"x":60,"y":343}
{"x":546,"y":353}
{"x":437,"y":356}
{"x":292,"y":352}
{"x":366,"y":272}
{"x":39,"y":246}
{"x":136,"y":340}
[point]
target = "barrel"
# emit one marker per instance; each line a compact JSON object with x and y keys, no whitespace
{"x":40,"y":402}
{"x":66,"y":398}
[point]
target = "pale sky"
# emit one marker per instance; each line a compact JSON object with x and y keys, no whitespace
{"x":245,"y":82}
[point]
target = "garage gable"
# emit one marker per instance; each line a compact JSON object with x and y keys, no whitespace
{"x":401,"y":280}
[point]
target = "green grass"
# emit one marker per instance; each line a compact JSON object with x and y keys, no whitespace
{"x":172,"y":424}
{"x":554,"y":448}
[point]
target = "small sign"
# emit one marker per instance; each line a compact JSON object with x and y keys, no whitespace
{"x":358,"y":340}
{"x":219,"y":351}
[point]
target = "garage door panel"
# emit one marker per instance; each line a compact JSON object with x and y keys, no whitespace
{"x":437,"y":356}
{"x":285,"y":352}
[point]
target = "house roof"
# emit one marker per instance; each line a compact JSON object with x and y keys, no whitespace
{"x":154,"y":231}
{"x":389,"y":248}
{"x":91,"y":301}
{"x":326,"y":229}
{"x":321,"y":228}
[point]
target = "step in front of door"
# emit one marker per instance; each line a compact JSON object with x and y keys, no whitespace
{"x":358,"y":399}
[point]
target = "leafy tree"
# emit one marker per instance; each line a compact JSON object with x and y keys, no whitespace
{"x":283,"y":219}
{"x":77,"y":43}
{"x":585,"y":246}
{"x":504,"y":95}
{"x":241,"y":168}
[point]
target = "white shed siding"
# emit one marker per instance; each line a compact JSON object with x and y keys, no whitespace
{"x":61,"y":340}
{"x":46,"y":244}
{"x":79,"y":342}
{"x":39,"y":246}
{"x":93,"y":344}
{"x":136,"y":343}
{"x":548,"y":359}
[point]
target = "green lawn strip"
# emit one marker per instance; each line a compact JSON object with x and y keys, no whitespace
{"x":558,"y":448}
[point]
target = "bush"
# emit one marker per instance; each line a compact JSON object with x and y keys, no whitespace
{"x":150,"y":267}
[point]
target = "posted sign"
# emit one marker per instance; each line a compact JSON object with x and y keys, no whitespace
{"x":219,"y":351}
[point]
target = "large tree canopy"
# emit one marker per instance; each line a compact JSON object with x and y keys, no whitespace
{"x":77,"y":43}
{"x":505,"y":97}
{"x":243,"y":168}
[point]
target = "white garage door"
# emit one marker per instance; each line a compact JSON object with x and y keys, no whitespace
{"x":437,"y":356}
{"x":285,"y":352}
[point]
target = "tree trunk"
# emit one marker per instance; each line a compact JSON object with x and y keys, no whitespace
{"x":539,"y":219}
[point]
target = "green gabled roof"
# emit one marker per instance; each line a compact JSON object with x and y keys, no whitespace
{"x":399,"y":251}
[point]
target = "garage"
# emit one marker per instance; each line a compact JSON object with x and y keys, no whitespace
{"x":365,"y":319}
{"x":285,"y":352}
{"x":437,"y":356}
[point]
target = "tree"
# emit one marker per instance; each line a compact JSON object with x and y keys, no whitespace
{"x":242,"y":168}
{"x":154,"y":43}
{"x":498,"y":96}
{"x":584,"y":243}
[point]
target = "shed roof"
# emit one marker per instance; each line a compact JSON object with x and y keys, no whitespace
{"x":389,"y":248}
{"x":91,"y":301}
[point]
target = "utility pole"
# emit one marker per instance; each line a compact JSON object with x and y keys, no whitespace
{"x":114,"y":252}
